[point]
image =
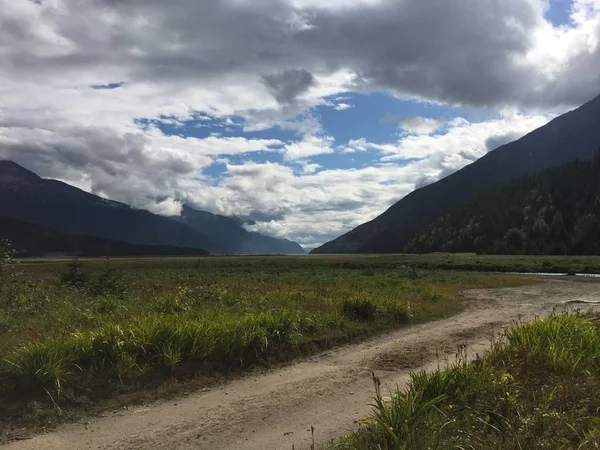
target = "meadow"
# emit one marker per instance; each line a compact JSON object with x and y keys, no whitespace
{"x":537,"y":387}
{"x":76,"y":335}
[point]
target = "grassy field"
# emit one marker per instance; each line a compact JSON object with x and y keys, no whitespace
{"x":438,"y":261}
{"x":75,"y":336}
{"x":536,"y":388}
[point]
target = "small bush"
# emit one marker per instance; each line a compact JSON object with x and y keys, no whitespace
{"x":73,"y":275}
{"x":565,"y":342}
{"x":399,"y":311}
{"x":108,"y":282}
{"x":37,"y":366}
{"x":359,"y":309}
{"x":10,"y":276}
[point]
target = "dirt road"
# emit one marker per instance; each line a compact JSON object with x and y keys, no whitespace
{"x":328,"y":391}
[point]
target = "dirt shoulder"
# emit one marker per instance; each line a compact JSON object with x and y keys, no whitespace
{"x":328,"y":391}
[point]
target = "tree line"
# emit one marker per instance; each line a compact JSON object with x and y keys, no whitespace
{"x":555,"y":211}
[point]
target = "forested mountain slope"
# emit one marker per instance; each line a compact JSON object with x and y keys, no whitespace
{"x":556,"y":211}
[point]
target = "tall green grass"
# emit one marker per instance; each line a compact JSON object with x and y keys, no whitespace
{"x":79,"y":332}
{"x":537,"y":388}
{"x":155,"y":342}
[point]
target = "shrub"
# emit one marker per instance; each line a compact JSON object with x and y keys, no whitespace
{"x":108,"y":282}
{"x":9,"y":275}
{"x":37,"y":366}
{"x":359,"y":309}
{"x":398,"y":310}
{"x":566,"y":342}
{"x":73,"y":275}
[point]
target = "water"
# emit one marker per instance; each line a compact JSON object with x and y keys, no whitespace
{"x":549,"y":274}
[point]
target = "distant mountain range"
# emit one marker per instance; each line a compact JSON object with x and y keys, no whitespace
{"x":574,"y":135}
{"x":61,"y":207}
{"x":231,"y":235}
{"x":29,"y":239}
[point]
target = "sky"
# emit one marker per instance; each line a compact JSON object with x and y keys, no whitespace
{"x":308,"y":117}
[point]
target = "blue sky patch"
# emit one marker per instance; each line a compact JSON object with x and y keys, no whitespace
{"x":559,"y":12}
{"x":107,"y":86}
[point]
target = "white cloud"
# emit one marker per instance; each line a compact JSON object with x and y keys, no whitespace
{"x":331,"y":201}
{"x":251,"y":66}
{"x":421,"y":125}
{"x":308,"y":167}
{"x":166,"y":207}
{"x":464,"y":136}
{"x":362,"y":145}
{"x":342,"y":106}
{"x":308,"y":146}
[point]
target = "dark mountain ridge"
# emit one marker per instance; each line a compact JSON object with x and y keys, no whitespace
{"x":30,"y":240}
{"x":556,"y":211}
{"x":26,"y":196}
{"x":233,"y":237}
{"x":574,"y":135}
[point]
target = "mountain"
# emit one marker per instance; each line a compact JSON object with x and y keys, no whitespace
{"x":59,"y":206}
{"x":574,"y":135}
{"x":231,"y":236}
{"x":556,"y":211}
{"x":35,"y":240}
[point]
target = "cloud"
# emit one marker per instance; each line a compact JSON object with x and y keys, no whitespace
{"x":421,"y":125}
{"x":342,"y":106}
{"x":228,"y":49}
{"x":308,"y":146}
{"x":471,"y":138}
{"x":493,"y":142}
{"x":166,"y":207}
{"x":323,"y":204}
{"x":87,"y":86}
{"x":362,"y":145}
{"x":288,"y":85}
{"x":309,"y":167}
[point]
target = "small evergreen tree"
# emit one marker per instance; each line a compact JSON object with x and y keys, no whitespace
{"x":108,"y":282}
{"x":9,"y":273}
{"x":73,"y":275}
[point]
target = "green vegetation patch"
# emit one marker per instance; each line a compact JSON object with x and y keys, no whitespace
{"x":77,"y":333}
{"x":537,"y":388}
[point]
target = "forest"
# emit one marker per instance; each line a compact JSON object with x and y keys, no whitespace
{"x":555,"y":211}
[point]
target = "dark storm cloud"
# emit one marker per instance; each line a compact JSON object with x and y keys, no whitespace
{"x":288,"y":85}
{"x":461,"y":51}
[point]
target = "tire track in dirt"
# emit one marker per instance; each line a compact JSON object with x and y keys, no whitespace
{"x":329,"y":391}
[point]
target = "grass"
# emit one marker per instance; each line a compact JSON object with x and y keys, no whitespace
{"x":539,"y":387}
{"x":77,"y":335}
{"x":368,"y":263}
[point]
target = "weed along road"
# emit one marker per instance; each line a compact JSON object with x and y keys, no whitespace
{"x":328,"y":391}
